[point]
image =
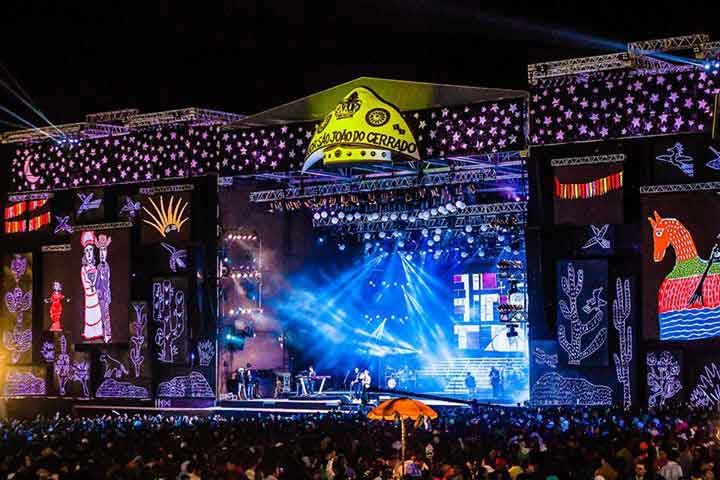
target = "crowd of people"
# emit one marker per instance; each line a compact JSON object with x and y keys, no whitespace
{"x":490,"y":443}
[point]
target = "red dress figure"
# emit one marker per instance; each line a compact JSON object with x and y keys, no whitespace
{"x":56,"y":308}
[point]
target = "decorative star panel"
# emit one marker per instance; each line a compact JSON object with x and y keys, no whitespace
{"x":620,"y":104}
{"x":181,"y":151}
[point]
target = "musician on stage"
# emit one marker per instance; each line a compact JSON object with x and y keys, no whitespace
{"x":241,"y":385}
{"x":365,"y":380}
{"x":311,"y":380}
{"x":250,"y":383}
{"x":470,"y":384}
{"x":495,"y":382}
{"x":356,"y":384}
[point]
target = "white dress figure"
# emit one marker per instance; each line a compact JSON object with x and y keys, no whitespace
{"x":103,"y":285}
{"x":92,"y":317}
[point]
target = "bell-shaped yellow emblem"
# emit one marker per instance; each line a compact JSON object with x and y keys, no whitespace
{"x":363,"y":128}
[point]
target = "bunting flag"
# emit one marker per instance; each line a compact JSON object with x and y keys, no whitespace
{"x":26,"y":214}
{"x":15,"y":210}
{"x":595,"y":188}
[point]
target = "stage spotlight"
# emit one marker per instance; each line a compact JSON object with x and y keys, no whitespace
{"x":381,"y":234}
{"x":334,"y":220}
{"x":451,"y":208}
{"x":384,"y":218}
{"x":341,"y":215}
{"x":404,"y":217}
{"x":470,"y":240}
{"x":367,"y":236}
{"x":481,"y":253}
{"x":424,"y":232}
{"x":368,"y":246}
{"x":460,"y":204}
{"x":341,"y":247}
{"x":408,"y":257}
{"x":433,"y":211}
{"x":324,"y":214}
{"x":464,"y":254}
{"x":468,"y":228}
{"x":501,"y":238}
{"x":442,"y":210}
{"x":430,"y":243}
{"x":393,"y":216}
{"x":321,"y":240}
{"x":412,"y":219}
{"x":438,"y":231}
{"x":401,"y":244}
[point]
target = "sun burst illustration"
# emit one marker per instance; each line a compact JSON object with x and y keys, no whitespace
{"x":166,"y":220}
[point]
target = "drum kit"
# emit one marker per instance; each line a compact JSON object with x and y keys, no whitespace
{"x":400,"y":379}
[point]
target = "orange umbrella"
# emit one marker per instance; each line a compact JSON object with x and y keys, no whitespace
{"x":402,"y":408}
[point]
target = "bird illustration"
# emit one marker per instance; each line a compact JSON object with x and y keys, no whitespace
{"x":598,"y":237}
{"x":130,"y":208}
{"x":87,"y":202}
{"x":177,"y":257}
{"x":595,"y":302}
{"x":715,"y":162}
{"x":63,"y":225}
{"x":113,"y":367}
{"x":676,"y":157}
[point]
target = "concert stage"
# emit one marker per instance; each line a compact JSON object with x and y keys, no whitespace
{"x":332,"y":402}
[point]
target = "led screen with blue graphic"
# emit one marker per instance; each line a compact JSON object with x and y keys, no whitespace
{"x":420,"y":322}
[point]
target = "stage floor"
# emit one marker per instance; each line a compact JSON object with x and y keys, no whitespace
{"x":327,"y":403}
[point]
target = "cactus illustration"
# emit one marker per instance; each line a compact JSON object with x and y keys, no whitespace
{"x":169,"y":312}
{"x":622,"y":308}
{"x":572,"y":286}
{"x":138,"y":339}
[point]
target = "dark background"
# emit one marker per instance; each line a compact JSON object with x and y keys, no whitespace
{"x":248,"y":55}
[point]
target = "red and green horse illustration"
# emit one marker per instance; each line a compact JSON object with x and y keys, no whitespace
{"x":689,"y":296}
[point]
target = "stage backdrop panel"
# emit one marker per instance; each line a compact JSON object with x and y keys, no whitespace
{"x":589,"y":194}
{"x":100,"y":290}
{"x":681,"y":290}
{"x":166,"y":218}
{"x":582,"y":312}
{"x":56,"y":282}
{"x":89,"y":206}
{"x":674,"y":159}
{"x":115,"y":375}
{"x":71,"y":369}
{"x":664,"y":377}
{"x":27,"y":381}
{"x":170,"y":319}
{"x":16,"y":311}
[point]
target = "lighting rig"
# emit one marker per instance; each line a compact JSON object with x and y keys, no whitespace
{"x":240,"y":260}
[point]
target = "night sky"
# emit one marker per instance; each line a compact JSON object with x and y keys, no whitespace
{"x":248,"y":55}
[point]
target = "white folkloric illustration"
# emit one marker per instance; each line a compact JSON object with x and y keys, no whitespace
{"x":67,"y":370}
{"x":676,"y":157}
{"x":598,"y":238}
{"x":206,"y":352}
{"x":47,"y":351}
{"x":18,"y":340}
{"x":89,"y":277}
{"x":572,"y":286}
{"x":23,"y":383}
{"x":114,"y":368}
{"x":663,"y":378}
{"x":194,"y":385}
{"x":707,"y":390}
{"x":169,"y":313}
{"x":543,"y":358}
{"x":552,"y":389}
{"x":137,"y":341}
{"x":177,"y":257}
{"x":103,"y":285}
{"x":622,"y":308}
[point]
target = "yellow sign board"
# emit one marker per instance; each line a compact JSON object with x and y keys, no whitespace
{"x":363,"y":128}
